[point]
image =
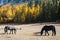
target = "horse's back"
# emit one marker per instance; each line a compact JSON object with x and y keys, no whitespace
{"x":10,"y":27}
{"x":50,"y":27}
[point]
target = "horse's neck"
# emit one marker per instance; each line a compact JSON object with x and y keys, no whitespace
{"x":42,"y":30}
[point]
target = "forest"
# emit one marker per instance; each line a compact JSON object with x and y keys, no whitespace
{"x":30,"y":12}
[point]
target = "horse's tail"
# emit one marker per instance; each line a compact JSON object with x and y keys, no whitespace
{"x":54,"y":30}
{"x":42,"y":30}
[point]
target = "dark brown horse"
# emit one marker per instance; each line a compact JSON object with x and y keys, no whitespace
{"x":47,"y":28}
{"x":12,"y":29}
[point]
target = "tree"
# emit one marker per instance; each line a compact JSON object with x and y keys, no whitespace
{"x":3,"y":15}
{"x":58,"y":14}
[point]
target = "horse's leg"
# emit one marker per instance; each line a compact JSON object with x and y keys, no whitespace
{"x":52,"y":32}
{"x":15,"y":31}
{"x":6,"y":31}
{"x":47,"y":33}
{"x":12,"y":31}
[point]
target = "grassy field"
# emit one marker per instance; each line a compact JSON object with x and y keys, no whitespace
{"x":29,"y":32}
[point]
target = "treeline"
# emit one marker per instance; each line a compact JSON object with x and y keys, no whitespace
{"x":29,"y":12}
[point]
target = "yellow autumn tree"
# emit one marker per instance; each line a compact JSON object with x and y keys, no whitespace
{"x":20,"y":11}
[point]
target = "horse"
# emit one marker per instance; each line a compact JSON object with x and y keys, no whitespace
{"x":47,"y":28}
{"x":12,"y":29}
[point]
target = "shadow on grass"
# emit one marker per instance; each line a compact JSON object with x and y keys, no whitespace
{"x":38,"y":34}
{"x":2,"y":33}
{"x":5,"y":33}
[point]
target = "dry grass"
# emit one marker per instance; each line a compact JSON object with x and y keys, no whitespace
{"x":29,"y":32}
